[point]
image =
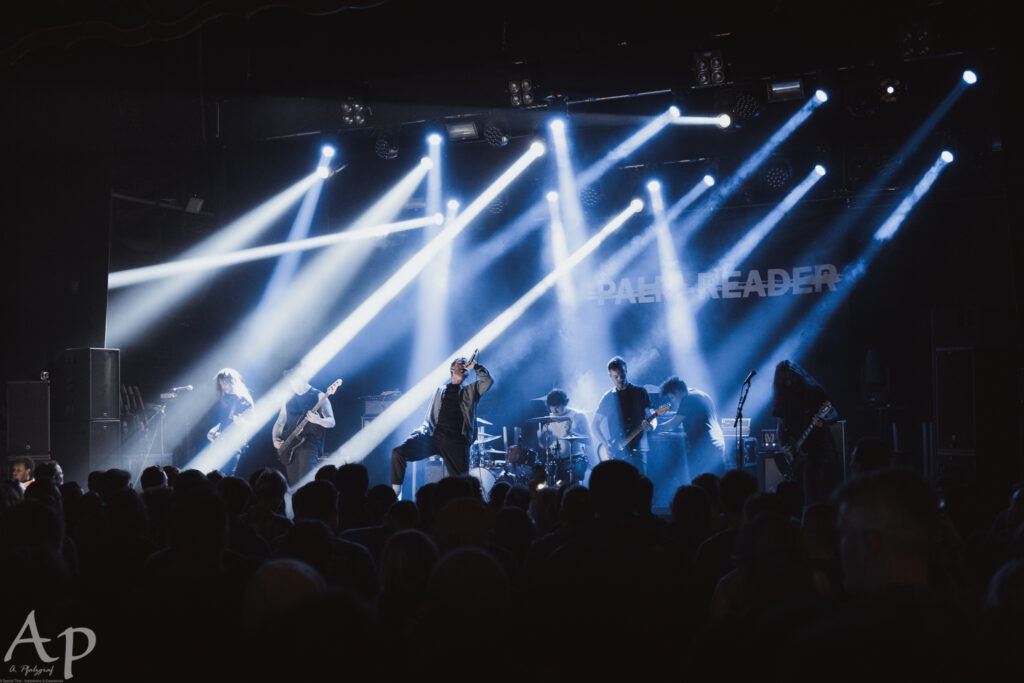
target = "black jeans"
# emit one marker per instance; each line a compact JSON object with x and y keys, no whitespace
{"x":419,"y":446}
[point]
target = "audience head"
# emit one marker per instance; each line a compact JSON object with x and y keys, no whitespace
{"x":792,"y":493}
{"x":172,"y":473}
{"x":21,"y":469}
{"x":317,"y":499}
{"x":887,"y":522}
{"x":406,"y":562}
{"x":614,"y":489}
{"x":379,"y":499}
{"x":50,"y":469}
{"x":153,"y":477}
{"x":328,"y":472}
{"x":734,"y":488}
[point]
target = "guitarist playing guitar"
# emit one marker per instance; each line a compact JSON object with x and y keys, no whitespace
{"x":301,"y":426}
{"x":623,"y":418}
{"x":811,"y":451}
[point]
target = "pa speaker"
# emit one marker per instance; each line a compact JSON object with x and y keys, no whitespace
{"x":28,"y":418}
{"x":87,"y":385}
{"x":86,"y":447}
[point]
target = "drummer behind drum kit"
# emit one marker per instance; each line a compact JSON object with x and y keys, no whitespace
{"x":518,"y":464}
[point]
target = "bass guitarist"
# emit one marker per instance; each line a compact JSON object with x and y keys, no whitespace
{"x":623,"y":418}
{"x":303,"y":422}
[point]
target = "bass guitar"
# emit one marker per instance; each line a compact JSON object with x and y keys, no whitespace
{"x":617,"y":447}
{"x":286,"y":451}
{"x":793,"y":454}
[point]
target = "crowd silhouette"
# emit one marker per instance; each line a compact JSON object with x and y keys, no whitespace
{"x":189,"y":574}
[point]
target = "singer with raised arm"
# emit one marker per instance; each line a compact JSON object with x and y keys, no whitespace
{"x":234,"y":404}
{"x":301,"y":427}
{"x":449,"y":428}
{"x":623,"y":417}
{"x":697,"y":419}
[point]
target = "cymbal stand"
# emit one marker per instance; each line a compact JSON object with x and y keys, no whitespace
{"x":551,"y":464}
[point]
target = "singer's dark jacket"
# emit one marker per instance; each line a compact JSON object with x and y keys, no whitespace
{"x":469,"y":397}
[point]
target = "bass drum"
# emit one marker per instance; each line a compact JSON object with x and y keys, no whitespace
{"x":485,"y":478}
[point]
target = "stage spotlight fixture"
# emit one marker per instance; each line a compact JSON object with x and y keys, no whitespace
{"x":890,"y":90}
{"x":915,"y":40}
{"x":386,"y":144}
{"x":520,"y":92}
{"x":970,"y":78}
{"x":776,"y":173}
{"x":709,"y":68}
{"x":496,"y":133}
{"x":781,"y":91}
{"x":746,"y":106}
{"x":462,"y":130}
{"x":592,"y":195}
{"x":354,"y":113}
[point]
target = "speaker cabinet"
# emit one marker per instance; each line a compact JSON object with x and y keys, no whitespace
{"x":28,"y":418}
{"x":87,"y":385}
{"x":85,"y":447}
{"x":433,"y":469}
{"x":768,"y":472}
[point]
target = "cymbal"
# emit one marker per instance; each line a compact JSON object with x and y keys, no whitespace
{"x":493,"y":451}
{"x":484,"y":422}
{"x":573,"y":437}
{"x":487,"y":438}
{"x":550,"y":418}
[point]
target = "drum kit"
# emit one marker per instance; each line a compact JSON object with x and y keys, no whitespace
{"x":519,"y":464}
{"x":560,"y":468}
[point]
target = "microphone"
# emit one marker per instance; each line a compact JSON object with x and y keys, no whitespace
{"x":750,"y":377}
{"x":184,"y":388}
{"x":473,"y":357}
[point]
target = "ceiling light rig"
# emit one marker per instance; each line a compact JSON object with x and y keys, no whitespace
{"x":709,"y":68}
{"x":354,"y":113}
{"x":890,"y":90}
{"x":497,"y":132}
{"x":520,"y":92}
{"x":386,"y":144}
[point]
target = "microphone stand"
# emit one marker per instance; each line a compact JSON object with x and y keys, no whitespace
{"x":738,"y":425}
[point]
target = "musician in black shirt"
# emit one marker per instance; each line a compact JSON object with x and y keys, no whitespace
{"x":449,"y":428}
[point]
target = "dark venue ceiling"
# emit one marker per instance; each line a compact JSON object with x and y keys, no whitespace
{"x":151,"y":103}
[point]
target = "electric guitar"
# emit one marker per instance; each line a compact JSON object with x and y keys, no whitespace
{"x":793,"y":454}
{"x":617,"y":447}
{"x":287,"y":449}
